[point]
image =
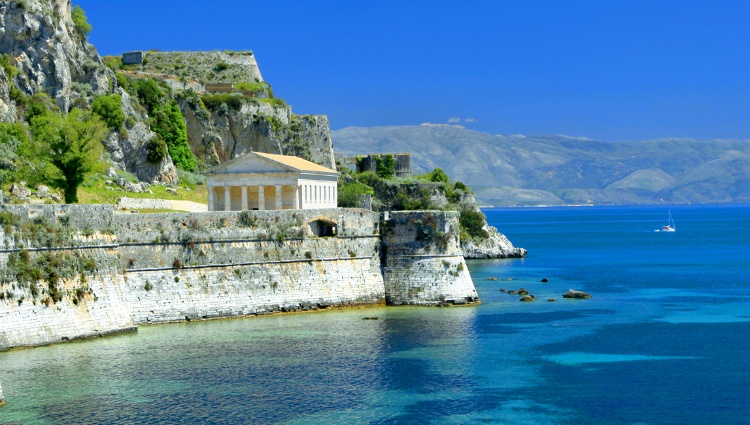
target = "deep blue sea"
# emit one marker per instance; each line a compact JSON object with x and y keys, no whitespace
{"x":665,"y":339}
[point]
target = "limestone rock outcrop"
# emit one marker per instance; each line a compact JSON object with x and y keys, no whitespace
{"x":48,"y":53}
{"x":49,"y":56}
{"x":218,"y":136}
{"x":496,"y":245}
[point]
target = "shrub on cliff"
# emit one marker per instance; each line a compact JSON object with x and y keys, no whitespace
{"x":472,"y":223}
{"x":149,"y":93}
{"x":167,"y":122}
{"x":232,"y":100}
{"x":156,"y":150}
{"x":350,"y":193}
{"x":258,"y":89}
{"x":11,"y":137}
{"x":82,"y":26}
{"x":109,"y":108}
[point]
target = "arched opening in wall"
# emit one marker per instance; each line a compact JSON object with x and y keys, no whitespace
{"x":322,"y":228}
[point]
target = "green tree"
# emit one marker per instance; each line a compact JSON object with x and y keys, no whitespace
{"x":109,"y":108}
{"x":80,"y":22}
{"x":438,"y":175}
{"x":73,"y":144}
{"x":167,"y":122}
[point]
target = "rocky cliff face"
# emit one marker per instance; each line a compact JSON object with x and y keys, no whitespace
{"x":218,"y":136}
{"x":497,"y":245}
{"x":50,"y":56}
{"x":48,"y":53}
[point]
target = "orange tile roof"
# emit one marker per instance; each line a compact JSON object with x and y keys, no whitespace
{"x":295,"y":162}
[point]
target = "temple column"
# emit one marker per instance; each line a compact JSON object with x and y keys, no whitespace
{"x":244,"y":198}
{"x":279,"y":205}
{"x":210,"y":198}
{"x":227,"y":199}
{"x":261,"y":198}
{"x":296,"y":197}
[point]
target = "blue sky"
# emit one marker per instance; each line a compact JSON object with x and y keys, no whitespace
{"x":608,"y":70}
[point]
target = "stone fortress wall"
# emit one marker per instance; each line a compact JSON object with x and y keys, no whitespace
{"x":116,"y":271}
{"x":422,"y":259}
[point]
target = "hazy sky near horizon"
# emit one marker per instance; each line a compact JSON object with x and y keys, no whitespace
{"x":608,"y":70}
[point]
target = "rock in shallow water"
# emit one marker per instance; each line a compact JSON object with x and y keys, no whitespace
{"x":576,"y":294}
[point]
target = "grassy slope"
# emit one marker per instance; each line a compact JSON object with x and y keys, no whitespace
{"x":95,"y":191}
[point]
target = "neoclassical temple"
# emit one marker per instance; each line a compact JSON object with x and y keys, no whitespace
{"x":263,"y":181}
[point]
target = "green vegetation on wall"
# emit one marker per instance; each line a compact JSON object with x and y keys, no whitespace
{"x":386,"y":166}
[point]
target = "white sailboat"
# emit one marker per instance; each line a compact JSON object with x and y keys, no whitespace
{"x":670,"y":227}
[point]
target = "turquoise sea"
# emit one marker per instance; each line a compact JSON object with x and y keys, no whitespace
{"x":664,"y":340}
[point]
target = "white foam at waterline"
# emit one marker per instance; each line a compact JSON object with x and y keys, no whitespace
{"x":578,"y":358}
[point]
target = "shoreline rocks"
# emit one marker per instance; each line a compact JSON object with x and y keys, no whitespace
{"x":2,"y":399}
{"x":576,"y":294}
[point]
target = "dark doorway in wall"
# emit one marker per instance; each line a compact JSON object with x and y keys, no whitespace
{"x":322,"y":228}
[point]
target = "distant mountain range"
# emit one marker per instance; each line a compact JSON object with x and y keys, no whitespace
{"x":560,"y":170}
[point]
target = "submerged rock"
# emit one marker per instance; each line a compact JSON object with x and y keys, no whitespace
{"x":576,"y":294}
{"x":528,"y":298}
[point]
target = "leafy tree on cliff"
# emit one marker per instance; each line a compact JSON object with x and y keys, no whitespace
{"x":73,"y":144}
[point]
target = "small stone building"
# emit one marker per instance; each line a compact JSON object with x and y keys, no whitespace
{"x":263,"y":181}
